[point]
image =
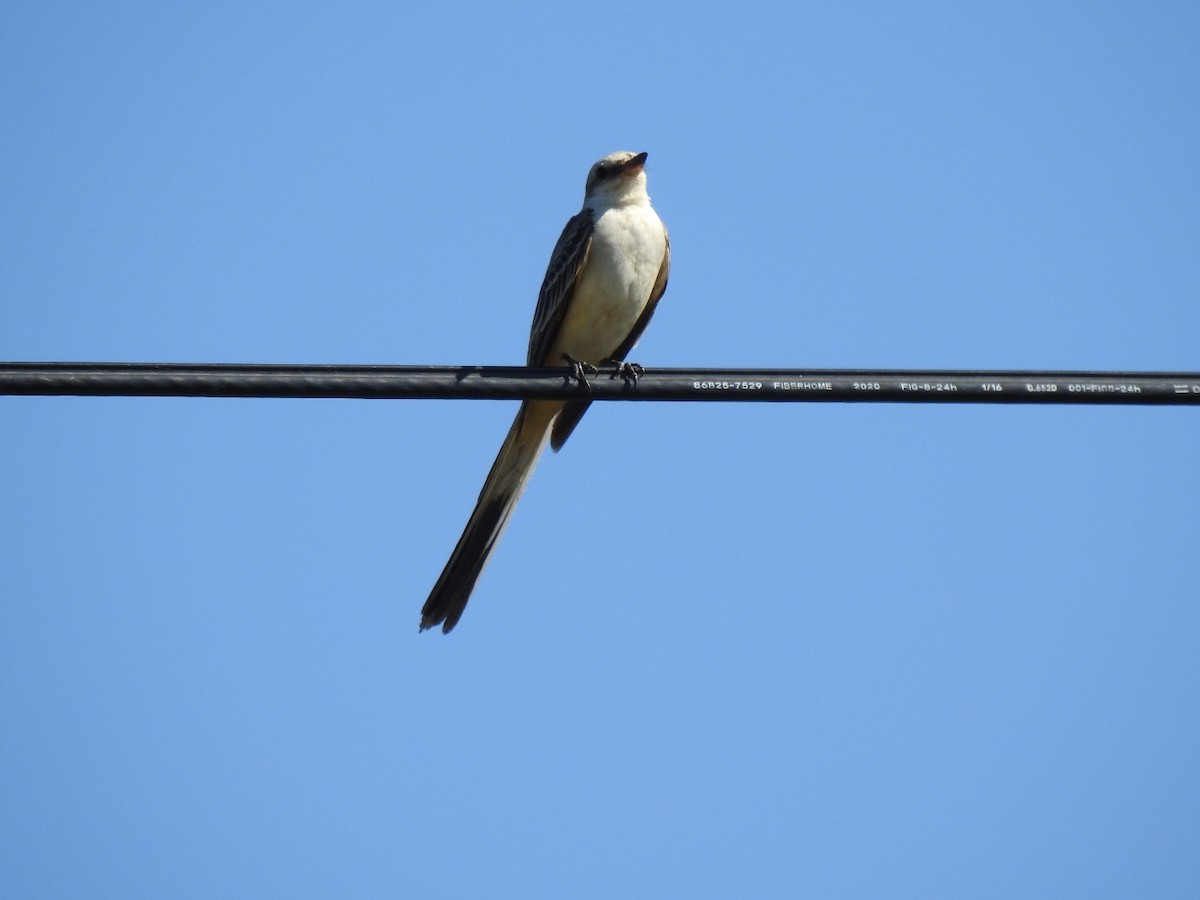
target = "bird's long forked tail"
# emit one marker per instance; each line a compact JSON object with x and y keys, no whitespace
{"x":505,"y":483}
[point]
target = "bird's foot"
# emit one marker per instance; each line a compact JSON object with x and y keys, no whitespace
{"x":579,"y":371}
{"x":629,"y":372}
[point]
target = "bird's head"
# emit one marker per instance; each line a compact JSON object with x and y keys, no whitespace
{"x":617,"y":178}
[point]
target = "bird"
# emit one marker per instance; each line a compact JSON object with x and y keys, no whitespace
{"x":606,"y":275}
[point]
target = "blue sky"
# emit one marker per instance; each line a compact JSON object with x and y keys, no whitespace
{"x":724,"y":649}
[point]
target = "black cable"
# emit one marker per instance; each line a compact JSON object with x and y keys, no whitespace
{"x":512,"y":383}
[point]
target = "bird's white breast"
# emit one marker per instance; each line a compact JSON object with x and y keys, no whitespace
{"x":627,"y":250}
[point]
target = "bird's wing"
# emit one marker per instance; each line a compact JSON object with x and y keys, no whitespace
{"x":558,"y":287}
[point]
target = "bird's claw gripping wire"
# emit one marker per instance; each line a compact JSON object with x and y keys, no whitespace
{"x":579,"y":371}
{"x":629,"y":372}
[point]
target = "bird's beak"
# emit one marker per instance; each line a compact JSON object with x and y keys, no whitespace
{"x":635,"y":165}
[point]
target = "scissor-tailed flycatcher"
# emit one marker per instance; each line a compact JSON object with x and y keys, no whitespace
{"x":606,"y":275}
